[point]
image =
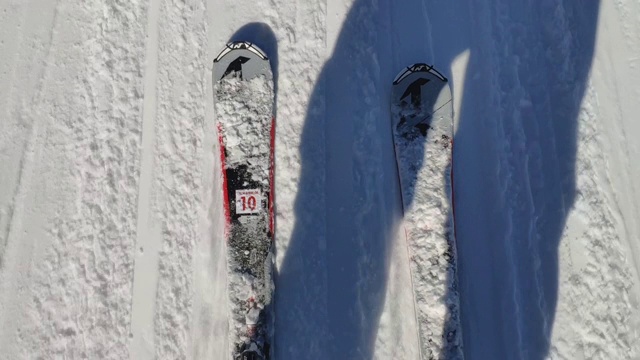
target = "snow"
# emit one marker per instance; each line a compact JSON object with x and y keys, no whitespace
{"x":111,"y":228}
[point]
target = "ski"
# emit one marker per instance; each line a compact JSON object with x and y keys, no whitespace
{"x":422,"y":127}
{"x":243,"y":98}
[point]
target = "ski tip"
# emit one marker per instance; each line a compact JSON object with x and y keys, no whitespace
{"x":235,"y":45}
{"x":418,"y":67}
{"x":241,"y":59}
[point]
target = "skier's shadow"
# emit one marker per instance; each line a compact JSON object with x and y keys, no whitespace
{"x":526,"y":75}
{"x":333,"y":276}
{"x":262,"y":35}
{"x":331,"y":285}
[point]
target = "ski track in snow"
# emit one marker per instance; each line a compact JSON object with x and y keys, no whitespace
{"x":147,"y":237}
{"x":543,"y":144}
{"x":111,"y":242}
{"x":66,"y":282}
{"x":183,"y":76}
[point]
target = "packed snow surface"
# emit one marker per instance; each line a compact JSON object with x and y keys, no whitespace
{"x":111,"y":221}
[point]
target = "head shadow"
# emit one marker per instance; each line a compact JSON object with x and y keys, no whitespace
{"x":514,"y":164}
{"x":262,"y":36}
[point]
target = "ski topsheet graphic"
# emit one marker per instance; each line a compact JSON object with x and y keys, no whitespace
{"x":422,"y":121}
{"x":243,"y":98}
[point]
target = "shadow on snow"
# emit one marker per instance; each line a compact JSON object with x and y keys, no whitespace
{"x":514,"y":166}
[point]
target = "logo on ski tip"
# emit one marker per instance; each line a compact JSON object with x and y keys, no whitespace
{"x":415,"y":90}
{"x":235,"y":67}
{"x":248,"y":201}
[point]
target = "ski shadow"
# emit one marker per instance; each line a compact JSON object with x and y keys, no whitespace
{"x":527,"y":66}
{"x":514,"y":164}
{"x":262,"y":36}
{"x":332,"y":280}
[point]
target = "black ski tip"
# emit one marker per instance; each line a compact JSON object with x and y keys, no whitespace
{"x":241,"y":59}
{"x":236,"y":66}
{"x":241,"y":45}
{"x":252,"y":351}
{"x":418,"y":67}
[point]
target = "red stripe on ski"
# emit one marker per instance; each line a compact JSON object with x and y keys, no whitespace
{"x":223,"y":165}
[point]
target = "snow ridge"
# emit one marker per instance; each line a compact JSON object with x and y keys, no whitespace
{"x":594,"y":308}
{"x":183,"y":75}
{"x":76,"y":301}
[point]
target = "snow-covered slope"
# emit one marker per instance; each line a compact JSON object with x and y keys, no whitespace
{"x":111,"y":241}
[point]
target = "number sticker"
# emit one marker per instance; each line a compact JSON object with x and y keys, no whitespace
{"x":248,"y":201}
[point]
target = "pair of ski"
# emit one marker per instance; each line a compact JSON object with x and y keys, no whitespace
{"x":422,"y":123}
